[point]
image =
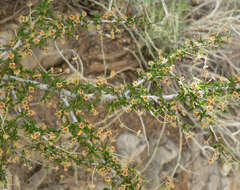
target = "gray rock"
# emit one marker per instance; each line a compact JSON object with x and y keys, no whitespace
{"x":166,"y":152}
{"x":130,"y":146}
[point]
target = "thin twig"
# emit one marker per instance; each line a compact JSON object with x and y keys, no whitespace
{"x":165,"y":8}
{"x":179,"y":152}
{"x":64,"y":58}
{"x":218,"y":2}
{"x":104,"y":60}
{"x":110,"y":5}
{"x":11,"y":17}
{"x":144,"y":132}
{"x":156,"y":148}
{"x":126,"y":28}
{"x":19,"y":43}
{"x":80,"y":61}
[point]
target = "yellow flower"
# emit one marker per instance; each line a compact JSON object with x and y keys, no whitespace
{"x":99,"y":82}
{"x":128,"y":109}
{"x":209,"y":108}
{"x":145,"y":98}
{"x":59,"y":113}
{"x":52,"y":135}
{"x":26,"y":107}
{"x":114,"y":158}
{"x":84,"y":153}
{"x":79,"y":132}
{"x":74,"y":140}
{"x":81,"y":125}
{"x":31,"y":112}
{"x":210,"y":160}
{"x":139,"y":70}
{"x":137,"y":186}
{"x":107,"y":179}
{"x":42,"y":33}
{"x":149,"y":75}
{"x":21,"y":18}
{"x":77,"y":20}
{"x":59,"y":85}
{"x":95,"y":112}
{"x":174,"y":124}
{"x":11,"y":55}
{"x":45,"y":48}
{"x":235,"y":93}
{"x":90,"y":126}
{"x":72,"y":17}
{"x":112,"y":149}
{"x":30,"y":98}
{"x":36,"y":41}
{"x":112,"y":74}
{"x":31,"y":89}
{"x":65,"y":130}
{"x":5,"y":136}
{"x":78,"y":112}
{"x":133,"y":101}
{"x":16,"y":72}
{"x":52,"y":32}
{"x":112,"y":34}
{"x":150,"y":63}
{"x":11,"y":44}
{"x":80,"y":91}
{"x":44,"y":126}
{"x":35,"y":135}
{"x":2,"y":105}
{"x":134,"y":83}
{"x":125,"y":173}
{"x":29,"y":53}
{"x":108,"y":133}
{"x":85,"y":97}
{"x":84,"y":14}
{"x":198,"y":94}
{"x":12,"y":65}
{"x":123,"y":187}
{"x":116,"y":89}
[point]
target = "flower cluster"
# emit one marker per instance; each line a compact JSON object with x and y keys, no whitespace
{"x":199,"y":99}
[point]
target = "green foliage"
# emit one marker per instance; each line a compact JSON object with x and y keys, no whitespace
{"x":86,"y":96}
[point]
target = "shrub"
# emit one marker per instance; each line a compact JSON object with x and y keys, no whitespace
{"x":21,"y":134}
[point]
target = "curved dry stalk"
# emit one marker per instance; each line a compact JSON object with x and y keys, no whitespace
{"x":218,"y":2}
{"x":119,"y":114}
{"x":123,"y":125}
{"x":156,"y":147}
{"x":104,"y":60}
{"x":199,"y":7}
{"x":179,"y":152}
{"x":127,"y":29}
{"x":144,"y":132}
{"x":108,"y":117}
{"x":80,"y":61}
{"x":165,"y":8}
{"x":19,"y":43}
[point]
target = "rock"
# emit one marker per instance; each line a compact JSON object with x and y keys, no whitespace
{"x":130,"y":146}
{"x":166,"y":152}
{"x":7,"y":33}
{"x":47,"y":59}
{"x":84,"y":186}
{"x":227,"y":167}
{"x":152,"y":175}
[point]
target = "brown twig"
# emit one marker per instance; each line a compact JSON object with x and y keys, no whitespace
{"x":16,"y":13}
